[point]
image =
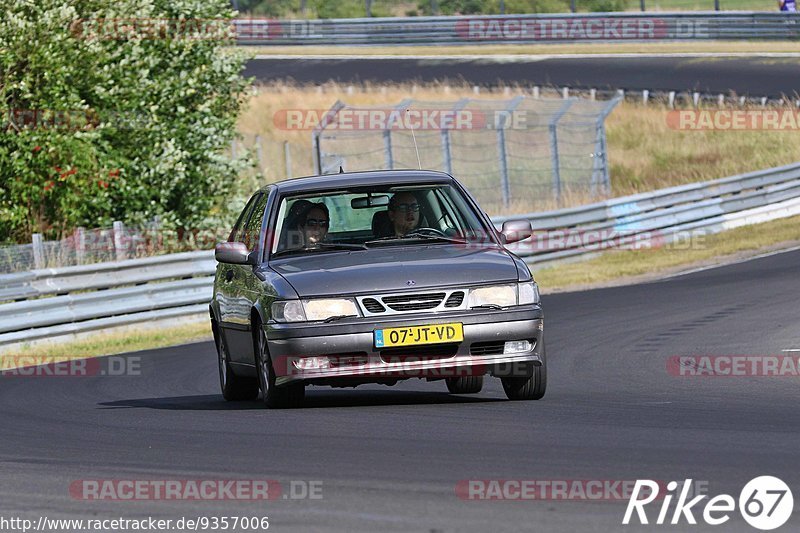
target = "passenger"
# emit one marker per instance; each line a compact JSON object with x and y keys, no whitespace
{"x":292,"y":233}
{"x":403,"y":213}
{"x":315,"y":224}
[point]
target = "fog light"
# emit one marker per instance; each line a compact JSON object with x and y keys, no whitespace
{"x":311,"y":363}
{"x":517,"y":347}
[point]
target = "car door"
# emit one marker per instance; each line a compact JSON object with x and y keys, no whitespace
{"x":226,"y":288}
{"x":245,"y":286}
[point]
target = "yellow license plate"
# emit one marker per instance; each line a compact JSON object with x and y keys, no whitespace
{"x":417,"y":335}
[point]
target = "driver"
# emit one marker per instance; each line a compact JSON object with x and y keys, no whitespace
{"x":403,"y":213}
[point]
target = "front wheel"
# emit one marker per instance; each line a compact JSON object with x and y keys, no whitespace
{"x":274,"y":397}
{"x":530,"y":387}
{"x":234,"y":388}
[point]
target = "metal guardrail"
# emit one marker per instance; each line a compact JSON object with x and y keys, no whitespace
{"x":54,"y":301}
{"x":584,"y":27}
{"x":51,"y":302}
{"x":660,"y":217}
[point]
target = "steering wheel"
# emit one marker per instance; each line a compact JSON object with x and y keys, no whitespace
{"x":428,"y":231}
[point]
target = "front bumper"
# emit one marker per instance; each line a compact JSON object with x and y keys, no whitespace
{"x":352,"y":342}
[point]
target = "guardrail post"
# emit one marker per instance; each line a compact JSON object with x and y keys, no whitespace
{"x":672,"y":99}
{"x":502,"y":152}
{"x":38,"y":250}
{"x":80,"y":245}
{"x":287,"y":158}
{"x":552,"y":127}
{"x":119,"y":241}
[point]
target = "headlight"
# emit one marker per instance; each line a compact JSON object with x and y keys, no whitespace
{"x":308,"y":310}
{"x":288,"y":311}
{"x":505,"y":295}
{"x":322,"y":309}
{"x":528,"y":293}
{"x":502,"y":295}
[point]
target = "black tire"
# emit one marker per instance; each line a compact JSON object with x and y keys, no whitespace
{"x":234,"y":388}
{"x":274,"y":397}
{"x":465,"y":385}
{"x":532,"y":387}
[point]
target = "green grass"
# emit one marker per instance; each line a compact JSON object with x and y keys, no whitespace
{"x":709,"y":249}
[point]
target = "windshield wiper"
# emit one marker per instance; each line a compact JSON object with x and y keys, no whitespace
{"x":416,"y":237}
{"x":340,"y":246}
{"x":320,"y":246}
{"x":339,"y":317}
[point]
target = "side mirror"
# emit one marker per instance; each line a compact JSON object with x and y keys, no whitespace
{"x":234,"y":253}
{"x":516,"y":230}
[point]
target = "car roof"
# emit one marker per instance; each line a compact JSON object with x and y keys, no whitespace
{"x":361,"y":179}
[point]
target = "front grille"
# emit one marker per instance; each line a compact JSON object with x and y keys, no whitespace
{"x":487,"y":348}
{"x":373,"y":305}
{"x":414,"y":302}
{"x":419,"y":353}
{"x":455,"y":299}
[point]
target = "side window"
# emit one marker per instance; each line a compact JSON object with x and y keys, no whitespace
{"x":240,"y":222}
{"x":252,"y":230}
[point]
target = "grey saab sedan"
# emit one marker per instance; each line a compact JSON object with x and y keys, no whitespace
{"x":373,"y":277}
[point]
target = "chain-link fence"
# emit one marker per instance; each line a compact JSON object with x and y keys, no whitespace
{"x":89,"y":246}
{"x":515,"y":155}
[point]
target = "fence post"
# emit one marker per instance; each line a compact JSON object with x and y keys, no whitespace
{"x":387,"y":149}
{"x":552,"y":126}
{"x":447,"y":158}
{"x":287,"y":158}
{"x":387,"y":135}
{"x":502,"y":152}
{"x":119,"y":240}
{"x":260,"y":154}
{"x":80,"y":245}
{"x":600,"y":174}
{"x":38,"y":250}
{"x":315,"y":153}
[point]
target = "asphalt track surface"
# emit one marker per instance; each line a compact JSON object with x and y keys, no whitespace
{"x":758,"y":77}
{"x":389,"y":458}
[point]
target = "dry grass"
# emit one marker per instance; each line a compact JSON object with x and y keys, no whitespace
{"x":716,"y":47}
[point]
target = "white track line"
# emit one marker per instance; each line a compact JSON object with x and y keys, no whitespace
{"x":523,"y":58}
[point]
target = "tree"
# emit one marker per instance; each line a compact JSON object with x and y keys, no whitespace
{"x":115,"y":110}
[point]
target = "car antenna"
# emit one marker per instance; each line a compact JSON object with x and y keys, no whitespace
{"x":341,"y":170}
{"x":416,"y":148}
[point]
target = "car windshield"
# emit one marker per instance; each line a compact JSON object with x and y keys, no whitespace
{"x":359,"y":219}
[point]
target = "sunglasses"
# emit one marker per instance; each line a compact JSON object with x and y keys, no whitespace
{"x":313,"y":223}
{"x":406,"y":207}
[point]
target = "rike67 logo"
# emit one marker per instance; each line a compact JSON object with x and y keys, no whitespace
{"x":765,"y":503}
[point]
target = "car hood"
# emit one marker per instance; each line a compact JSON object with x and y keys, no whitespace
{"x":394,"y":268}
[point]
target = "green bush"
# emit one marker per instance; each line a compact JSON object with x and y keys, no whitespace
{"x":101,"y":125}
